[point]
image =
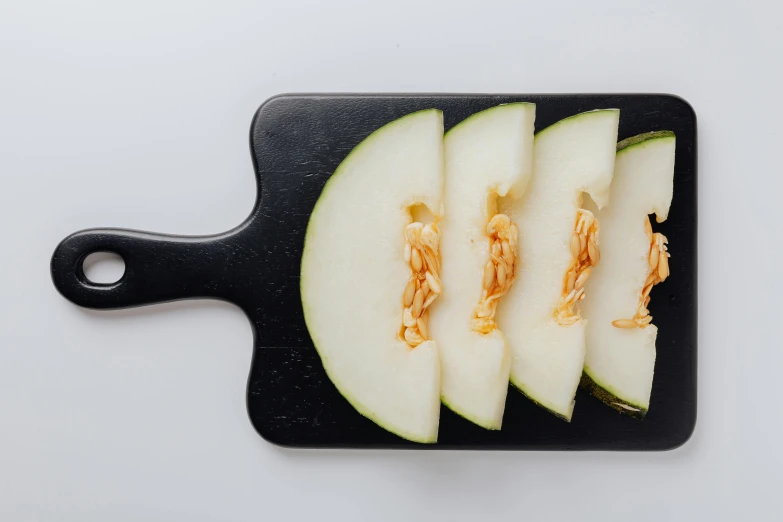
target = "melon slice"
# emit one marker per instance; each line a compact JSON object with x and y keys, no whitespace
{"x":620,"y":356}
{"x":540,"y":314}
{"x":356,"y":267}
{"x":487,"y":155}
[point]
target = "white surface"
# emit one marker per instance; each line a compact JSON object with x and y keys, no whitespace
{"x":103,"y":267}
{"x":136,"y":114}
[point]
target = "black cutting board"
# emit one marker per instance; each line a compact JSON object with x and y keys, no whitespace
{"x":297,"y":141}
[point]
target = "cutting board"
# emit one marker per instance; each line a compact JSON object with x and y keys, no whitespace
{"x":296,"y":143}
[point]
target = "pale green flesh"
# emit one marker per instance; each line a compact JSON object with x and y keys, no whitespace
{"x":379,"y":375}
{"x":614,"y":396}
{"x":488,"y":154}
{"x":642,"y":138}
{"x":572,"y":156}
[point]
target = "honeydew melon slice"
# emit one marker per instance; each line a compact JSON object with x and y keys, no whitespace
{"x":487,"y":155}
{"x":353,"y":275}
{"x":573,"y":156}
{"x":620,"y":360}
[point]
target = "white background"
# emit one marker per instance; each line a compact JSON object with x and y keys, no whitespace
{"x":136,"y":114}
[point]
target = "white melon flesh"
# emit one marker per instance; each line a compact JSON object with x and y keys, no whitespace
{"x":487,"y":155}
{"x":354,"y":273}
{"x":620,"y":361}
{"x":573,"y":156}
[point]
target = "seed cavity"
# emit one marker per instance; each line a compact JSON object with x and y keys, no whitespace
{"x":576,"y":245}
{"x":433,"y":282}
{"x":418,"y":303}
{"x":582,"y":279}
{"x":421,"y":324}
{"x":489,"y":275}
{"x":416,"y":261}
{"x":408,"y":320}
{"x":421,"y":252}
{"x":430,"y":298}
{"x":410,"y":290}
{"x":499,"y":272}
{"x":413,"y":337}
{"x":584,"y":256}
{"x":658,"y":263}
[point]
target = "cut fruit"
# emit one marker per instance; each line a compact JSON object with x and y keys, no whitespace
{"x":354,"y":275}
{"x":539,"y":316}
{"x":487,"y":155}
{"x":620,"y":356}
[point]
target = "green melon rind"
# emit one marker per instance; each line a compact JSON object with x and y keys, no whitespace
{"x":306,"y":309}
{"x":610,"y":397}
{"x":485,"y":112}
{"x":586,"y":114}
{"x":477,"y":422}
{"x":473,"y":117}
{"x":641,"y":138}
{"x":521,"y":389}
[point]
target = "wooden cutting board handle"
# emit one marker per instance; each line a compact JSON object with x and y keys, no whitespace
{"x":158,"y":267}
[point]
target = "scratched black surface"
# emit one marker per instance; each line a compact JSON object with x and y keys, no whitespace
{"x":296,"y":142}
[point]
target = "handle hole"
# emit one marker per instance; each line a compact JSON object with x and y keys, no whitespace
{"x":103,"y":267}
